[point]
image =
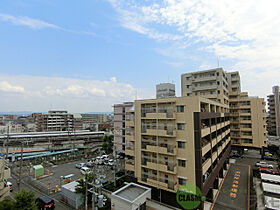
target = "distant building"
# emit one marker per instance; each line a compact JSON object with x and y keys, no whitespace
{"x":273,"y":119}
{"x":57,"y":121}
{"x":165,"y":90}
{"x":94,"y":118}
{"x":121,"y":113}
{"x":106,"y":126}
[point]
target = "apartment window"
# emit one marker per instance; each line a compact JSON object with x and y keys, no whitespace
{"x":189,"y":86}
{"x":189,"y":94}
{"x":181,"y":144}
{"x":218,"y":92}
{"x":181,"y":126}
{"x":182,"y":181}
{"x":188,"y":78}
{"x":180,"y":108}
{"x":212,"y":92}
{"x":182,"y":163}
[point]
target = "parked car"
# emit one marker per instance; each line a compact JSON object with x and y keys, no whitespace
{"x":265,"y":170}
{"x":269,"y":158}
{"x":264,"y":165}
{"x":268,"y":154}
{"x":111,"y":162}
{"x":90,"y":164}
{"x":45,"y":203}
{"x":105,"y":157}
{"x":99,"y":160}
{"x":80,"y":165}
{"x":84,"y":170}
{"x":93,"y":159}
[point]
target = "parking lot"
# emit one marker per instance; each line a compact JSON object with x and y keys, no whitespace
{"x":251,"y":157}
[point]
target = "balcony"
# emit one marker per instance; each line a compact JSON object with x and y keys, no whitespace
{"x":152,"y":165}
{"x":169,"y":150}
{"x":167,"y":168}
{"x":129,"y":137}
{"x":214,"y":156}
{"x":214,"y":142}
{"x":129,"y":167}
{"x":206,"y":165}
{"x":166,"y":133}
{"x":206,"y":148}
{"x":205,"y":131}
{"x":129,"y":151}
{"x":129,"y":123}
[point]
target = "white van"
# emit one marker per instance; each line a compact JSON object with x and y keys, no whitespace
{"x":85,"y":170}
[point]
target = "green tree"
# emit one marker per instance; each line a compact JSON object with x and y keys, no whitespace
{"x":7,"y":205}
{"x":108,"y":144}
{"x":81,"y":186}
{"x":25,"y":200}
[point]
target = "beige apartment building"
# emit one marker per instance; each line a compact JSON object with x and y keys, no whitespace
{"x":273,"y":119}
{"x":177,"y":141}
{"x":247,"y":114}
{"x":212,"y":84}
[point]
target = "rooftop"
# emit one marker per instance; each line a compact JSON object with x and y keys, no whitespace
{"x":131,"y":192}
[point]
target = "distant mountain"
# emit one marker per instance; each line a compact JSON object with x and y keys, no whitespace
{"x":26,"y":113}
{"x":19,"y":113}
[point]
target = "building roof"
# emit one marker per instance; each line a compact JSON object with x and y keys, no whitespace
{"x":271,"y":202}
{"x":70,"y":186}
{"x":271,"y":188}
{"x":270,"y":177}
{"x":131,"y":192}
{"x":38,"y":167}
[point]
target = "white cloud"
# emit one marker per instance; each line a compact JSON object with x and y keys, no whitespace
{"x":7,"y":87}
{"x":246,"y":33}
{"x":36,"y":93}
{"x":26,"y":21}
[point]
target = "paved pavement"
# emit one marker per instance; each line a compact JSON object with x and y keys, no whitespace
{"x":38,"y":193}
{"x":233,"y":193}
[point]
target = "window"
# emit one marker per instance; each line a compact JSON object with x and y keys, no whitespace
{"x":182,"y":163}
{"x":212,"y":92}
{"x":180,"y":108}
{"x":189,"y":86}
{"x":181,"y":144}
{"x":188,"y":78}
{"x":182,"y":181}
{"x":189,"y":94}
{"x":181,"y":126}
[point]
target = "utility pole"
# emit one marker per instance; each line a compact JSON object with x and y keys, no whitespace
{"x":7,"y":142}
{"x":20,"y":165}
{"x":86,"y":200}
{"x":115,"y":164}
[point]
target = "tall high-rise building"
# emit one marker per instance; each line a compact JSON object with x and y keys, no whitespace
{"x":177,"y":141}
{"x":247,"y":114}
{"x":273,"y":119}
{"x":121,"y":114}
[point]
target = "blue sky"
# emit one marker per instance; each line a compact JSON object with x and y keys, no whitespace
{"x":87,"y":55}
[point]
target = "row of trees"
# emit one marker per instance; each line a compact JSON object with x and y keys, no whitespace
{"x":23,"y":200}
